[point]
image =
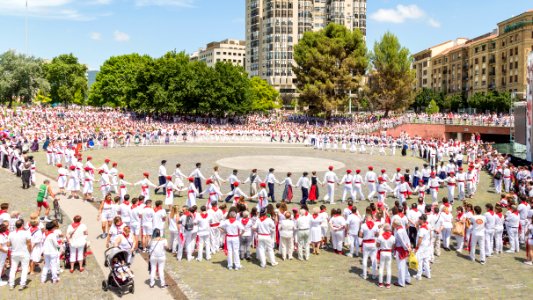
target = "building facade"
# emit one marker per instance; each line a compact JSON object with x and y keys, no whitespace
{"x":274,"y":27}
{"x":228,"y":50}
{"x":495,"y":61}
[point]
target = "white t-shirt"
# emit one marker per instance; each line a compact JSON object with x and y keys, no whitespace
{"x":386,"y":244}
{"x":18,"y":241}
{"x":354,"y":223}
{"x":157,"y":248}
{"x":78,"y":239}
{"x":478,"y":225}
{"x":286,"y":228}
{"x":159,"y":218}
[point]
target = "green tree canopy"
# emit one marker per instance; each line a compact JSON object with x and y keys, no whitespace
{"x":68,"y":80}
{"x":329,"y":64}
{"x":21,"y":77}
{"x":432,"y":108}
{"x":116,"y":82}
{"x":263,"y":96}
{"x":393,"y":79}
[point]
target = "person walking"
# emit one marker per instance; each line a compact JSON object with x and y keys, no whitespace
{"x":157,"y":255}
{"x":77,"y":239}
{"x":20,"y":243}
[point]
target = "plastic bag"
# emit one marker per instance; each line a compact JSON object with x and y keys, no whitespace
{"x":413,"y":261}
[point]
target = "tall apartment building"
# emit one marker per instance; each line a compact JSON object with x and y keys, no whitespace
{"x":274,"y":27}
{"x":495,"y":61}
{"x":228,"y":50}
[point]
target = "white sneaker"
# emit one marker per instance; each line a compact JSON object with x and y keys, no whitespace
{"x":274,"y":264}
{"x":3,"y":283}
{"x":529,"y":263}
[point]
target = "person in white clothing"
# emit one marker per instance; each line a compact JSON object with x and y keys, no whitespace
{"x":347,"y":180}
{"x":371,"y":182}
{"x":157,"y":258}
{"x":20,"y":243}
{"x":385,"y":246}
{"x":145,"y":184}
{"x":369,"y":232}
{"x":478,"y":222}
{"x":337,"y":225}
{"x":217,"y":216}
{"x":51,"y":254}
{"x":77,"y":239}
{"x":213,"y":192}
{"x":122,"y":183}
{"x":353,"y":224}
{"x":265,"y":227}
{"x":262,"y":197}
{"x":303,"y":224}
{"x":423,"y":248}
{"x":402,"y":249}
{"x":232,"y":229}
{"x":204,"y":222}
{"x":330,"y":179}
{"x":286,"y":232}
{"x":357,"y":186}
{"x":489,"y":229}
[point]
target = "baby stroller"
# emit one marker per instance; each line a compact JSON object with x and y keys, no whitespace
{"x":113,"y":280}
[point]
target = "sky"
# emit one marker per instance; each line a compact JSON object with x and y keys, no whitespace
{"x":94,"y":30}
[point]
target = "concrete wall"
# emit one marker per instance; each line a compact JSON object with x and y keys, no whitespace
{"x":447,"y":131}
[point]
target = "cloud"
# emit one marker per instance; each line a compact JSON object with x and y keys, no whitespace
{"x":177,"y":3}
{"x":433,"y":23}
{"x":51,"y":9}
{"x":403,"y":13}
{"x":96,"y":36}
{"x":121,"y":36}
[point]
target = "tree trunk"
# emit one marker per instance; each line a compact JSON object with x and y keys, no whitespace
{"x":386,"y":115}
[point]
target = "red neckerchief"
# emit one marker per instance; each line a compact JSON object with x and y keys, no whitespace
{"x":147,"y":206}
{"x":231,"y":220}
{"x":262,"y":218}
{"x":322,"y":210}
{"x":204,"y":215}
{"x":134,"y":206}
{"x":125,"y":235}
{"x":107,"y":201}
{"x":523,"y":202}
{"x":414,"y":209}
{"x":500,"y":215}
{"x":491,"y":212}
{"x":296,"y":216}
{"x":157,"y":208}
{"x":214,"y":208}
{"x":515,"y":212}
{"x":306,"y":213}
{"x":425,"y":226}
{"x":315,"y":216}
{"x":33,"y":229}
{"x":119,"y":225}
{"x":349,"y":208}
{"x":3,"y":211}
{"x":446,"y":204}
{"x":387,"y":235}
{"x":126,"y":202}
{"x":459,"y":216}
{"x":224,"y":212}
{"x":401,"y":214}
{"x":244,"y":221}
{"x":369,"y":224}
{"x":48,"y":232}
{"x":75,"y":224}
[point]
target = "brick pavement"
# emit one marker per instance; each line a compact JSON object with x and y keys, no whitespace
{"x":327,"y":274}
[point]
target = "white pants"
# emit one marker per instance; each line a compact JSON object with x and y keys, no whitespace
{"x":403,"y":271}
{"x":477,"y":240}
{"x":385,"y":262}
{"x":157,"y":263}
{"x":489,"y":241}
{"x":354,"y":244}
{"x":204,"y":242}
{"x":522,"y":234}
{"x":173,"y":241}
{"x":446,"y":234}
{"x":371,"y":190}
{"x":348,"y":191}
{"x":330,"y":194}
{"x":424,"y":266}
{"x":498,"y":186}
{"x":337,"y":239}
{"x":215,"y":239}
{"x":451,"y":193}
{"x":76,"y":254}
{"x":233,"y":252}
{"x":358,"y":192}
{"x":498,"y":240}
{"x":459,"y":240}
{"x":24,"y":261}
{"x":287,"y":247}
{"x":303,"y":244}
{"x":461,"y":190}
{"x":434,"y":194}
{"x":513,"y":239}
{"x":190,"y":243}
{"x":265,"y":245}
{"x":507,"y":183}
{"x":369,"y":250}
{"x":50,"y":263}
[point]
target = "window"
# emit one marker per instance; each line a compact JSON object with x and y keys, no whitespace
{"x":516,"y":51}
{"x":510,"y":79}
{"x":483,"y":59}
{"x":516,"y":78}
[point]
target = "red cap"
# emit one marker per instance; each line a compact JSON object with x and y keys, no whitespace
{"x":208,"y":181}
{"x":146,"y":174}
{"x":383,"y":170}
{"x":236,"y":184}
{"x":402,"y":179}
{"x":87,"y":169}
{"x":169,"y":177}
{"x":380,"y":178}
{"x":121,"y":176}
{"x":262,"y":184}
{"x":101,"y":171}
{"x":461,"y":168}
{"x":72,"y":168}
{"x":421,"y":181}
{"x":115,"y":164}
{"x":89,"y":157}
{"x":191,"y":179}
{"x":371,"y":168}
{"x":398,"y":169}
{"x":357,"y":171}
{"x":433,"y":174}
{"x":349,"y":171}
{"x":330,"y":168}
{"x":452,"y":173}
{"x":59,"y":165}
{"x":380,"y":204}
{"x":107,"y":160}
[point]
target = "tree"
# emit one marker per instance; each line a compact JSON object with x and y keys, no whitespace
{"x":231,"y":86}
{"x":432,"y":108}
{"x":21,"y":77}
{"x":68,"y":80}
{"x":393,"y":79}
{"x":263,"y":96}
{"x":453,"y":102}
{"x":424,"y":96}
{"x":116,"y":82}
{"x":329,"y":64}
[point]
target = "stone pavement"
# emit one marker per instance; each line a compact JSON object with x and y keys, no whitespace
{"x":454,"y":276}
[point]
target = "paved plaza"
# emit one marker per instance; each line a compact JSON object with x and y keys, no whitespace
{"x":454,"y":276}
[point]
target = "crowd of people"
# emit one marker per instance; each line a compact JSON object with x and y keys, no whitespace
{"x":236,"y":221}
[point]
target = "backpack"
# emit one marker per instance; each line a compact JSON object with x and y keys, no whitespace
{"x":189,"y":224}
{"x":498,"y":175}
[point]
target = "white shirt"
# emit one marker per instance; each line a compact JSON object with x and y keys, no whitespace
{"x":159,"y":218}
{"x":77,"y":236}
{"x":478,"y":225}
{"x":303,"y":222}
{"x":162,"y":171}
{"x":286,"y":228}
{"x":204,"y":221}
{"x":271,"y":178}
{"x":157,"y":248}
{"x":386,"y":244}
{"x":264,"y":226}
{"x":18,"y":241}
{"x":353,"y":221}
{"x":50,"y":245}
{"x":330,"y":177}
{"x":303,"y":182}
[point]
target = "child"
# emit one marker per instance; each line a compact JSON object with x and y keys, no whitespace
{"x":121,"y":269}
